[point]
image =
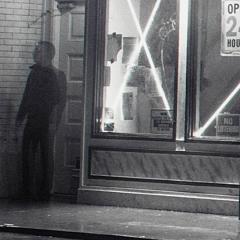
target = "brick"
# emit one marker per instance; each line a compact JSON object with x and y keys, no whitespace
{"x":6,"y":36}
{"x":35,"y":37}
{"x":14,"y":66}
{"x":13,"y":72}
{"x":13,"y":85}
{"x":16,"y":1}
{"x":29,"y":30}
{"x":21,"y":1}
{"x":2,"y":29}
{"x":15,"y":60}
{"x":2,"y":17}
{"x":35,"y":6}
{"x":35,"y":12}
{"x":20,"y":18}
{"x":25,"y":55}
{"x":20,"y":36}
{"x":5,"y":48}
{"x":8,"y":91}
{"x":31,"y":6}
{"x":25,"y":48}
{"x":14,"y":24}
{"x":15,"y":78}
{"x":13,"y":5}
{"x":6,"y":11}
{"x":26,"y":36}
{"x":19,"y":42}
{"x":12,"y":29}
{"x":36,"y":3}
{"x":24,"y":12}
{"x":20,"y":28}
{"x":9,"y":54}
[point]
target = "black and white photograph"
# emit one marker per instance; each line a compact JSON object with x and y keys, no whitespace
{"x":120,"y":119}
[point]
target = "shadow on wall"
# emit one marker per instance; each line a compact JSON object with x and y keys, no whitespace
{"x":10,"y":150}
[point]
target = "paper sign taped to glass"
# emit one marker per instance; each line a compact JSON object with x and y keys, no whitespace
{"x":161,"y":122}
{"x":127,"y":105}
{"x":114,"y":45}
{"x":228,"y":125}
{"x":230,"y":37}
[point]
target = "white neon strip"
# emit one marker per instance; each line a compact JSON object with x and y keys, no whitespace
{"x":137,"y":50}
{"x":201,"y":130}
{"x":156,"y":77}
{"x":183,"y":9}
{"x":144,"y":34}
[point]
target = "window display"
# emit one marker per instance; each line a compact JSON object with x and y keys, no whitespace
{"x":217,"y":76}
{"x":138,"y":89}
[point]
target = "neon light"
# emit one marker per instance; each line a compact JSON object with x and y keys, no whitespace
{"x":154,"y":72}
{"x":201,"y":130}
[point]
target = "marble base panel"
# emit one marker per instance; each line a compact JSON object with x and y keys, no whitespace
{"x":189,"y":167}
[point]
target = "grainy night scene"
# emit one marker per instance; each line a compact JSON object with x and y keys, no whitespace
{"x":119,"y":119}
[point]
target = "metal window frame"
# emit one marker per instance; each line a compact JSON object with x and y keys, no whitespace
{"x":183,"y":10}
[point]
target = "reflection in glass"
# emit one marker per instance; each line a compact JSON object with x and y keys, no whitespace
{"x":217,"y":75}
{"x":139,"y":74}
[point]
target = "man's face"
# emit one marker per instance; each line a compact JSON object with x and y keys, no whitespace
{"x":40,"y":55}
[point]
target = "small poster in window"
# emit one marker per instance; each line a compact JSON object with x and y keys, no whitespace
{"x":230,"y":44}
{"x":109,"y":120}
{"x":228,"y":125}
{"x":109,"y":114}
{"x":161,"y":122}
{"x":114,"y":45}
{"x":107,"y":74}
{"x":127,"y":105}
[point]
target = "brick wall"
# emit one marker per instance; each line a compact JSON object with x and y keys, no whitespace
{"x":20,"y":29}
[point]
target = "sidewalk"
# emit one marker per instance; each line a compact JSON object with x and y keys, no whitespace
{"x":141,"y":223}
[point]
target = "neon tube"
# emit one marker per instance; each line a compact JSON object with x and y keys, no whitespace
{"x":156,"y":77}
{"x":202,"y":129}
{"x":137,"y":49}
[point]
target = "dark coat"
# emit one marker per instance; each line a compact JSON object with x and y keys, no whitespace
{"x":40,"y":96}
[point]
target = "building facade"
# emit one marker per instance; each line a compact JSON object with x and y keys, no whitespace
{"x":151,"y":118}
{"x":161,"y":113}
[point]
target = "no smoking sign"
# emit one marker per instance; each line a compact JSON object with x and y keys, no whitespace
{"x":230,"y":45}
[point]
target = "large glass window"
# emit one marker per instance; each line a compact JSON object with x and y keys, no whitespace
{"x":217,"y":70}
{"x":138,"y":87}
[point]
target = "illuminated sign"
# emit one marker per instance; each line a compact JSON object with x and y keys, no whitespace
{"x":228,"y":125}
{"x":230,"y":44}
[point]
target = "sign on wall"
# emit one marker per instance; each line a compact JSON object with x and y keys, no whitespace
{"x":230,"y":41}
{"x":228,"y":125}
{"x":161,"y":122}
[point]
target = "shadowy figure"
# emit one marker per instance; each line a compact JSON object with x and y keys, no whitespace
{"x":43,"y":94}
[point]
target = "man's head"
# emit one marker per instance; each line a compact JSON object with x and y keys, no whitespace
{"x":44,"y":53}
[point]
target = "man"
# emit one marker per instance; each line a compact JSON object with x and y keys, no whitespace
{"x":40,"y":97}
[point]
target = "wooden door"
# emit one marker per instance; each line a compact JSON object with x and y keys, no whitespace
{"x":68,"y":143}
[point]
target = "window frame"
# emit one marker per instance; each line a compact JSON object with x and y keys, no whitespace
{"x":192,"y":68}
{"x":100,"y":22}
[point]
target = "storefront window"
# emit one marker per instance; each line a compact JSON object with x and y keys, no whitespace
{"x":216,"y":100}
{"x":138,"y":87}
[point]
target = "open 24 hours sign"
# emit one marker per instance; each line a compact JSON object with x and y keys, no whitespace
{"x":230,"y":42}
